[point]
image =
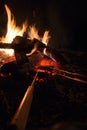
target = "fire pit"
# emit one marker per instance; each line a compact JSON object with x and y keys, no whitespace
{"x":59,"y":94}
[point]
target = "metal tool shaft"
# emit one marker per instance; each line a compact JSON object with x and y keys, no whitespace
{"x":20,"y":118}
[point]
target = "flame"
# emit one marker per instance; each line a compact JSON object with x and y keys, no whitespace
{"x":12,"y":31}
{"x":45,"y":40}
{"x":33,"y":50}
{"x":46,"y":37}
{"x":34,"y":33}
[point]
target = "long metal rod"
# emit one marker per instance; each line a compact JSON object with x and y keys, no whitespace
{"x":21,"y":116}
{"x":70,"y":75}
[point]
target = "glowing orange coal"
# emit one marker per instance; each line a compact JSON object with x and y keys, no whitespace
{"x":46,"y":66}
{"x":48,"y":62}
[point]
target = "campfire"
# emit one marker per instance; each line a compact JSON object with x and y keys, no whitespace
{"x":27,"y":57}
{"x":31,"y":51}
{"x":15,"y":46}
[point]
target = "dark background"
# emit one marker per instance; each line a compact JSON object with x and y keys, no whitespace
{"x":65,"y":19}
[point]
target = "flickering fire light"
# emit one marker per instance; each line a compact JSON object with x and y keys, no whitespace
{"x":33,"y":34}
{"x":13,"y":30}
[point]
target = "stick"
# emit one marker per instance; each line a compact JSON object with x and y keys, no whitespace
{"x":21,"y":116}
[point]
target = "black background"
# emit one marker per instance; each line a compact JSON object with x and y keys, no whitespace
{"x":65,"y":19}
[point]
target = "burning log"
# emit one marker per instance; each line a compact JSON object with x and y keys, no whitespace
{"x":23,"y":46}
{"x":19,"y":44}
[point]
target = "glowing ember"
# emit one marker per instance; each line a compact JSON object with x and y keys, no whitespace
{"x":12,"y":31}
{"x":46,"y":68}
{"x":49,"y":63}
{"x":46,"y":65}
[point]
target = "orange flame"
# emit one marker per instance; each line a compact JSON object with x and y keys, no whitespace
{"x":45,"y":40}
{"x":46,"y":37}
{"x":12,"y":31}
{"x":32,"y":51}
{"x":33,"y":33}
